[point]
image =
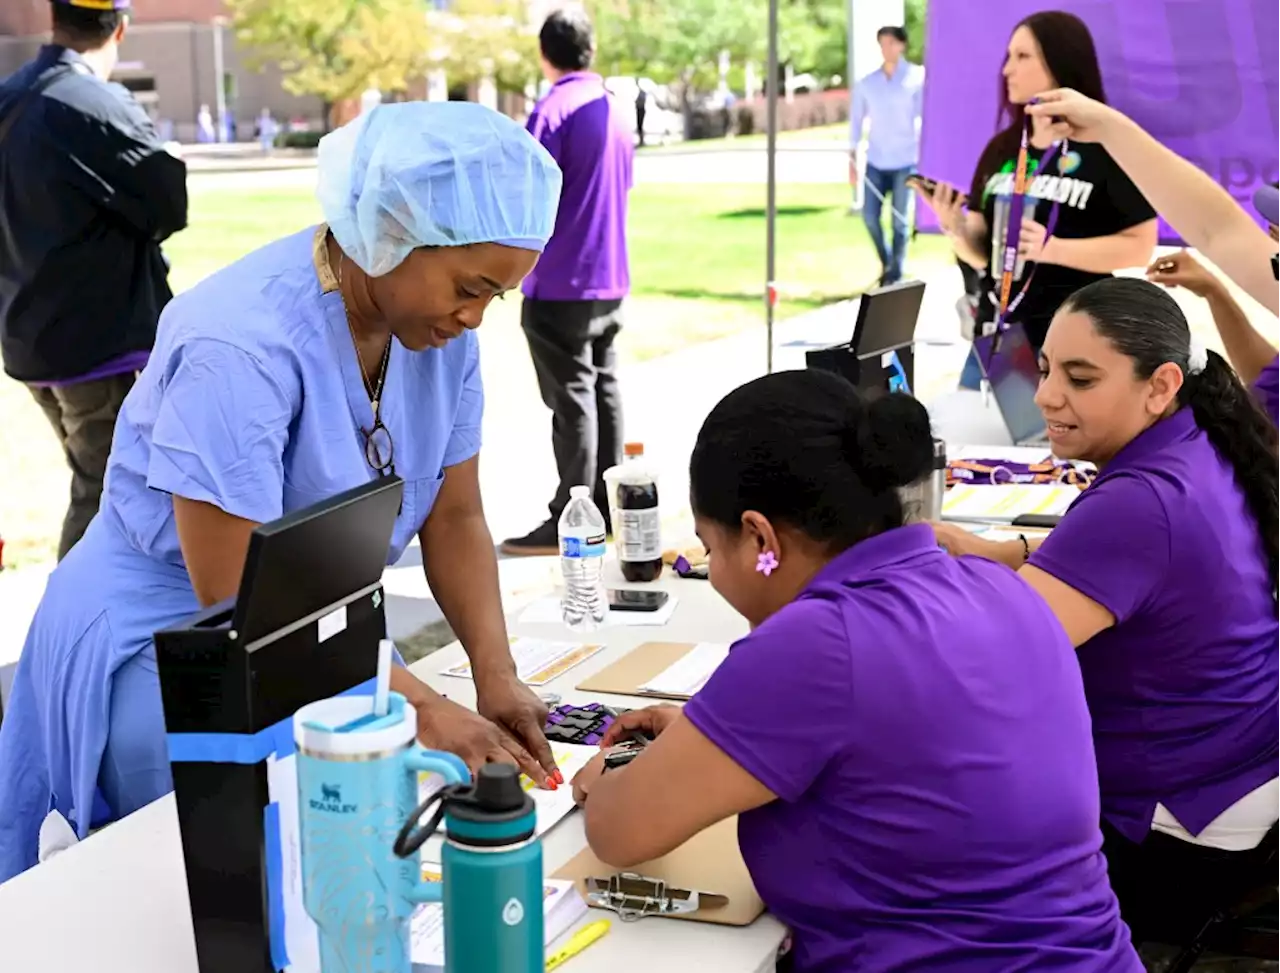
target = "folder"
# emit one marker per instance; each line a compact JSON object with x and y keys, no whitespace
{"x":704,"y":880}
{"x":642,"y":664}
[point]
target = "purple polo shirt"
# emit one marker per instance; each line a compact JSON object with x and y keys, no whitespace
{"x":586,"y":259}
{"x":921,"y":720}
{"x":1183,"y":688}
{"x":1266,"y":389}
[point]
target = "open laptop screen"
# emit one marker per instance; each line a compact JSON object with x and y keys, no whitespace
{"x":1014,"y":375}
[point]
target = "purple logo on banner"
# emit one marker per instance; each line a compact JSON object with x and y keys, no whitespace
{"x":1203,"y":76}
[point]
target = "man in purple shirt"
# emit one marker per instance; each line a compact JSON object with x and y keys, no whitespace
{"x":87,"y":193}
{"x":573,"y":298}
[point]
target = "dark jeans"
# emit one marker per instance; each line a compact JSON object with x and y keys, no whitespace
{"x":83,"y":416}
{"x":572,"y":347}
{"x":888,"y":185}
{"x":1169,"y":888}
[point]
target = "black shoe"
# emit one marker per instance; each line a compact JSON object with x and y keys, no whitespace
{"x":539,"y":542}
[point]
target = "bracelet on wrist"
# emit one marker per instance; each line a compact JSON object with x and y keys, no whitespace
{"x":1026,"y":548}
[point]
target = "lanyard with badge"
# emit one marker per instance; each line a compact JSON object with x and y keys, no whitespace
{"x":1013,"y":233}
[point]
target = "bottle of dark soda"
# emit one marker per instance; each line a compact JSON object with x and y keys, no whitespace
{"x":639,"y":529}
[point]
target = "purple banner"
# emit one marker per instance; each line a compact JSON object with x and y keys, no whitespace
{"x":1202,"y":76}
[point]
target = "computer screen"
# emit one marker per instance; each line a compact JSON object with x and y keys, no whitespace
{"x":1014,"y":374}
{"x":887,"y":318}
{"x":315,"y":557}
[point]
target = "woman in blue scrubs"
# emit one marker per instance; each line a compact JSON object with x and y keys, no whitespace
{"x":338,"y":354}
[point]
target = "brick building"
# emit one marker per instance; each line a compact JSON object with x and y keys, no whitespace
{"x":168,"y":60}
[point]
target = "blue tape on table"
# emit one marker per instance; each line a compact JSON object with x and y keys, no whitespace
{"x":243,"y":748}
{"x":275,"y":886}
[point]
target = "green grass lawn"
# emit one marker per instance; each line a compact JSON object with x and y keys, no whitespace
{"x":697,"y":259}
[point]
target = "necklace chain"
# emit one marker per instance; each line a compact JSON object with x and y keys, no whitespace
{"x":374,"y":391}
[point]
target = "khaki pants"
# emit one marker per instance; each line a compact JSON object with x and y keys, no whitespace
{"x":83,"y":416}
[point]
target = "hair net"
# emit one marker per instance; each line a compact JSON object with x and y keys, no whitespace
{"x":434,"y":174}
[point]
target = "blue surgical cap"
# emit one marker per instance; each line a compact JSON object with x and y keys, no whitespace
{"x":434,"y":174}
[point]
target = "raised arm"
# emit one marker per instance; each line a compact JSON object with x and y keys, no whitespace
{"x":1202,"y":212}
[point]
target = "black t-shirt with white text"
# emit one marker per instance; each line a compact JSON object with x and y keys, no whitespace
{"x":1095,"y":199}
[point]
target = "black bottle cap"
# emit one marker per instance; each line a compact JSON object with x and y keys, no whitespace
{"x":498,"y":789}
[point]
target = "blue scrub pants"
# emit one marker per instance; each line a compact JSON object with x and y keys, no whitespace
{"x":135,"y":764}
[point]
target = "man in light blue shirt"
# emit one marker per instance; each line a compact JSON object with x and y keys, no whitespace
{"x":890,"y":98}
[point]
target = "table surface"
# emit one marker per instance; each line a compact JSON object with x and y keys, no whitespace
{"x":117,"y":902}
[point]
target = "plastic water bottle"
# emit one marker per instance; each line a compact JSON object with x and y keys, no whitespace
{"x":584,"y":605}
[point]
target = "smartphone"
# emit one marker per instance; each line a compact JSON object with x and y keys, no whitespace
{"x":927,"y":185}
{"x":633,"y":600}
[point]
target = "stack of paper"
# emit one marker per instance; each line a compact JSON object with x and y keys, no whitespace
{"x":538,"y":661}
{"x":561,"y":904}
{"x":1004,"y":503}
{"x":551,"y":806}
{"x":689,"y":673}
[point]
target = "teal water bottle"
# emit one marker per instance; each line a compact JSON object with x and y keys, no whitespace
{"x":492,"y":872}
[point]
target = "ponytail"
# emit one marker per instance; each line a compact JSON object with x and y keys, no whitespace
{"x":1245,"y":437}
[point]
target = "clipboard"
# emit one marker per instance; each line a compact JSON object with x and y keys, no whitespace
{"x":626,"y":676}
{"x":704,"y":880}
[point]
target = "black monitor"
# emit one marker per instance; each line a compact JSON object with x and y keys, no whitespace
{"x":1010,"y":366}
{"x":883,"y":337}
{"x":887,"y":318}
{"x":305,"y":626}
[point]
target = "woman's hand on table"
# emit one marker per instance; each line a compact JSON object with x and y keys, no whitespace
{"x":446,"y":725}
{"x":957,"y":541}
{"x":651,"y":721}
{"x":517,"y":710}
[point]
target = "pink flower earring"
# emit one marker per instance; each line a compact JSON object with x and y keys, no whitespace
{"x":766,"y":563}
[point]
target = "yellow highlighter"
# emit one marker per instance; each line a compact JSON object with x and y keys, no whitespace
{"x":581,"y":939}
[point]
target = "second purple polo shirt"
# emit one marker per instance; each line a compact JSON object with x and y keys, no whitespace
{"x":586,"y":259}
{"x":1183,"y":688}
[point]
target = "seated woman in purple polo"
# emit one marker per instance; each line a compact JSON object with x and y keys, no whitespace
{"x":904,"y":734}
{"x":1163,"y":574}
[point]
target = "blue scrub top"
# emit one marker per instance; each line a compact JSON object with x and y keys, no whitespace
{"x":252,"y":401}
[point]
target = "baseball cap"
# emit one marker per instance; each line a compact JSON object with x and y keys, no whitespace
{"x":1267,"y":202}
{"x":105,"y":5}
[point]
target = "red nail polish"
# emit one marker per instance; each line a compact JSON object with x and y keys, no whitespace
{"x":551,"y":784}
{"x":558,"y":777}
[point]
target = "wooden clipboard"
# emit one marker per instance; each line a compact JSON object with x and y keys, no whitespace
{"x":709,"y":864}
{"x":637,"y":667}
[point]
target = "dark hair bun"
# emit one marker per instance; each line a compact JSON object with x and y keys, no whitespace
{"x":889,"y":441}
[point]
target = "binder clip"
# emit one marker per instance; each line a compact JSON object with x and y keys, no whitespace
{"x":634,"y":896}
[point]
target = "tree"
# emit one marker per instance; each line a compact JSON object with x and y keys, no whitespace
{"x":917,"y":13}
{"x":676,"y":40}
{"x":476,"y":39}
{"x":336,"y":49}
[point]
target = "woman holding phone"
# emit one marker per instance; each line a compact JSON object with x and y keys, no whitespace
{"x":1082,"y":219}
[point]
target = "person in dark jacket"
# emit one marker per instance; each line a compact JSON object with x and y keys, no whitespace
{"x":87,"y":194}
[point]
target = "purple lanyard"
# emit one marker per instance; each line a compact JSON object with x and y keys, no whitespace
{"x":1014,"y":229}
